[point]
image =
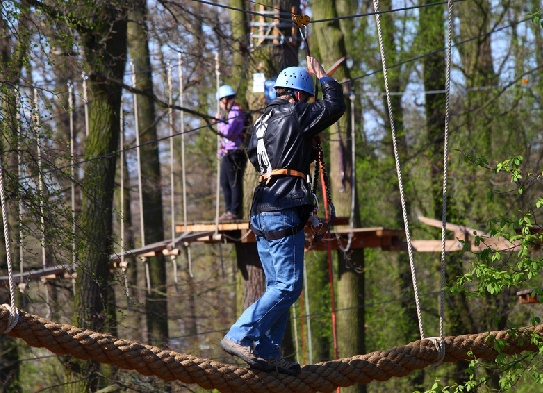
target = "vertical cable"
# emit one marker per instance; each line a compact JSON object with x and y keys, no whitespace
{"x":445,"y":166}
{"x":121,"y":144}
{"x":72,"y":173}
{"x":308,"y":319}
{"x":172,"y":153}
{"x":182,"y":120}
{"x":40,"y":178}
{"x":172,"y":162}
{"x":20,"y":192}
{"x":398,"y":168}
{"x":218,"y":183}
{"x":86,"y":103}
{"x":140,"y":192}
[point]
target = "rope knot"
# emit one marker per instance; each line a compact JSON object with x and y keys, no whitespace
{"x":439,"y":343}
{"x":13,"y":318}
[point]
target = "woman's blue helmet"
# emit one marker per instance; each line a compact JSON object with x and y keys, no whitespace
{"x":295,"y":78}
{"x":225,"y":91}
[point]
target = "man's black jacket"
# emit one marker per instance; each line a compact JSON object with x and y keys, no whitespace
{"x":286,"y":132}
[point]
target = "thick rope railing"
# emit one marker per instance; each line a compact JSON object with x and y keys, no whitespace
{"x":321,"y":377}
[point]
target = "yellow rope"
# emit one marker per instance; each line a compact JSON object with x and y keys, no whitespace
{"x":322,"y":377}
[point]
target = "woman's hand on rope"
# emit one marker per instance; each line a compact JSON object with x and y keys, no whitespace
{"x":217,"y":118}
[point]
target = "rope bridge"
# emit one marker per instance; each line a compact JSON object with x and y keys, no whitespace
{"x":322,"y":377}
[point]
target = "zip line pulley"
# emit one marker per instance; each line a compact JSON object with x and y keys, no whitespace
{"x":302,"y":21}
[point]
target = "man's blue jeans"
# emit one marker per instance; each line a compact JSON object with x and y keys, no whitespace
{"x":265,"y":321}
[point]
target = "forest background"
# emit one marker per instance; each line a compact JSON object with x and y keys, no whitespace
{"x":90,"y":89}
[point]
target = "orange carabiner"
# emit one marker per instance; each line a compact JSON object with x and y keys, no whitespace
{"x":301,"y":20}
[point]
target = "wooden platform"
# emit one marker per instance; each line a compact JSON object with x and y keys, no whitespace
{"x":233,"y":231}
{"x":340,"y":237}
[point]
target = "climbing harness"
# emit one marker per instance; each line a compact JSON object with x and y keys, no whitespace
{"x":275,"y":172}
{"x":276,"y":235}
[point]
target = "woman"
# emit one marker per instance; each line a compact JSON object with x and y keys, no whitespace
{"x":231,"y":124}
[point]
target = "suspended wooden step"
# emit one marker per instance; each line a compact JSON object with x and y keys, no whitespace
{"x":527,"y":296}
{"x":462,"y":234}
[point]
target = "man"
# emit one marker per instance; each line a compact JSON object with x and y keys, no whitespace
{"x":281,"y":148}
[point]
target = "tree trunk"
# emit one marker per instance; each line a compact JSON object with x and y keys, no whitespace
{"x":156,"y":304}
{"x":105,"y":51}
{"x":350,"y":280}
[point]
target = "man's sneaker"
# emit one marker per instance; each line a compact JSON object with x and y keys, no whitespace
{"x":244,"y":352}
{"x":282,"y":366}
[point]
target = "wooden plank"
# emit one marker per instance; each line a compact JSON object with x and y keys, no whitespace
{"x":498,"y":244}
{"x":435,"y":245}
{"x":234,"y":225}
{"x":525,"y":296}
{"x":360,"y":240}
{"x":55,"y":270}
{"x":450,"y":227}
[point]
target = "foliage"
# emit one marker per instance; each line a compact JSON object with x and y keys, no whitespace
{"x":536,"y":17}
{"x":495,"y":270}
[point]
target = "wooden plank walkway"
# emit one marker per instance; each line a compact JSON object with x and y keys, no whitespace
{"x":340,"y":236}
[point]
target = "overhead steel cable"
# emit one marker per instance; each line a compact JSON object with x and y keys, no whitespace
{"x":513,"y":24}
{"x":209,"y":125}
{"x":319,"y":20}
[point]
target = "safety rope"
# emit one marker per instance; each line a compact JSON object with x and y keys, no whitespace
{"x":438,"y":342}
{"x":398,"y":169}
{"x":13,"y":311}
{"x":225,"y":378}
{"x":445,"y":168}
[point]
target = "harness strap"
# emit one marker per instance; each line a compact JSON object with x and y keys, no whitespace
{"x":276,"y":235}
{"x":284,"y":171}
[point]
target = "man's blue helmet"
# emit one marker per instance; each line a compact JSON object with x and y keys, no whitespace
{"x":295,"y":78}
{"x":225,"y":91}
